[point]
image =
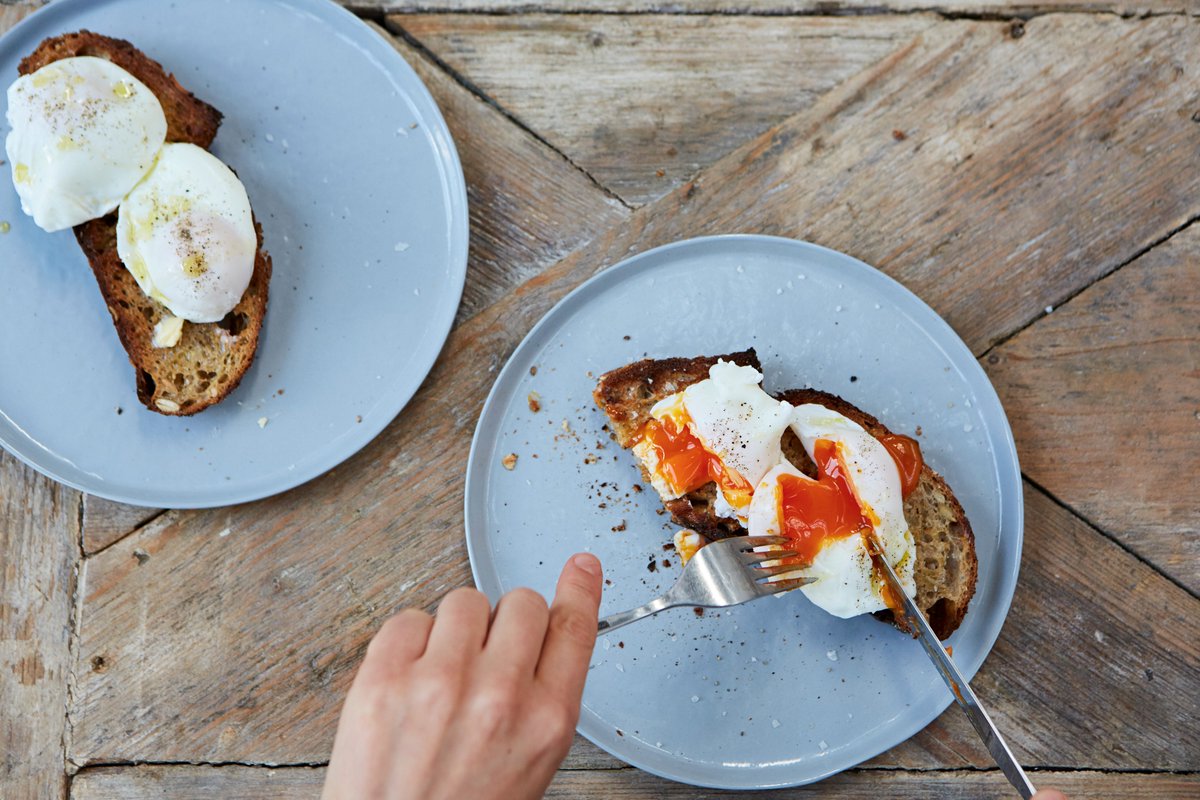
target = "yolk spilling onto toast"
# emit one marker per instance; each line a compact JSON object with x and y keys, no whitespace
{"x":907,"y":454}
{"x":686,"y":465}
{"x":812,"y":513}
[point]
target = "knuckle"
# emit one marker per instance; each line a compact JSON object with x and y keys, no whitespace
{"x":575,"y":628}
{"x":526,"y":600}
{"x":436,"y":692}
{"x":466,"y":599}
{"x":396,"y":631}
{"x":493,"y":710}
{"x":556,"y":728}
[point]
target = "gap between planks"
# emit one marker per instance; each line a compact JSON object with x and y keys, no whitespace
{"x":1102,"y":532}
{"x":402,"y":34}
{"x":622,"y":767}
{"x":1168,"y":236}
{"x":377,"y":12}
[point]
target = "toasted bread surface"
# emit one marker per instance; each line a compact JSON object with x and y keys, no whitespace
{"x":628,"y":393}
{"x":210,"y":358}
{"x":946,"y":566}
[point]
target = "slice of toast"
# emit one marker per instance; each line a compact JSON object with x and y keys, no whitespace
{"x":210,"y":358}
{"x":628,"y":393}
{"x":946,"y":565}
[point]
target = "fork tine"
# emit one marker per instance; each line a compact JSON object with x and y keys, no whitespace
{"x":753,"y":558}
{"x":778,"y":569}
{"x":778,"y":587}
{"x":750,"y":542}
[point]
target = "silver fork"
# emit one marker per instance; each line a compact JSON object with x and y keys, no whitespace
{"x":724,"y":573}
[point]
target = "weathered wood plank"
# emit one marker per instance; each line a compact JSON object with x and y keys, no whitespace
{"x":528,"y":206}
{"x":941,"y":165}
{"x":980,"y":8}
{"x":1092,"y":647}
{"x":663,"y":99}
{"x":39,"y":551}
{"x":1104,"y":399}
{"x":197,"y":783}
{"x":105,"y":521}
{"x":240,"y":647}
{"x":295,"y":783}
{"x":870,"y":785}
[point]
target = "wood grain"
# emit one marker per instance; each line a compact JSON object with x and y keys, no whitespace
{"x":1087,"y":654}
{"x":250,"y":783}
{"x":197,"y":783}
{"x":200,"y":661}
{"x":1064,"y":197}
{"x":105,"y":521}
{"x":979,"y":8}
{"x":871,"y":785}
{"x":663,"y":100}
{"x":1104,"y":398}
{"x":39,"y":530}
{"x":528,"y":206}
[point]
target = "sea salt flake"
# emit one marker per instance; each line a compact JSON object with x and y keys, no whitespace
{"x":831,"y":655}
{"x":401,"y":247}
{"x":695,"y":698}
{"x":774,"y":723}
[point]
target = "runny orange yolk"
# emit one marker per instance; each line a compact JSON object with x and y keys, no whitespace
{"x":813,"y":513}
{"x":907,"y":454}
{"x":686,"y":465}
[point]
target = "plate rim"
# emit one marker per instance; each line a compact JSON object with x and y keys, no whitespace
{"x":1007,"y":563}
{"x":332,"y":15}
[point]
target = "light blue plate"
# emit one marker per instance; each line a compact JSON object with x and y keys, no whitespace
{"x":777,"y":692}
{"x":356,"y":182}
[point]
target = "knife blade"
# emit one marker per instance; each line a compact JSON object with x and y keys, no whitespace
{"x":950,"y":673}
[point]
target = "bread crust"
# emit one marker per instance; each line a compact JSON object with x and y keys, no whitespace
{"x":210,"y":359}
{"x":946,"y":566}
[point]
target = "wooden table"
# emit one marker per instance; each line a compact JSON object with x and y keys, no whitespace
{"x":1033,"y":173}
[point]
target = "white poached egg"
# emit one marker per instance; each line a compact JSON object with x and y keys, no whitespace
{"x":83,"y":133}
{"x":187,"y":235}
{"x":729,"y":431}
{"x":859,"y":485}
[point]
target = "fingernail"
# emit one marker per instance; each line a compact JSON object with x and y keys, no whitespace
{"x":588,"y":563}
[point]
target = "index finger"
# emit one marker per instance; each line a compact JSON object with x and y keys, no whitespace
{"x":562,"y":667}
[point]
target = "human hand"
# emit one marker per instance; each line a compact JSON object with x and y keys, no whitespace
{"x":1049,"y":794}
{"x":468,"y":703}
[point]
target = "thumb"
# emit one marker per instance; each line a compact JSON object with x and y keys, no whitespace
{"x":572,"y":629}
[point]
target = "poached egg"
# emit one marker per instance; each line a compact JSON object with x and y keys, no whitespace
{"x":186,"y":234}
{"x":83,"y":132}
{"x":859,"y":487}
{"x":724,"y":429}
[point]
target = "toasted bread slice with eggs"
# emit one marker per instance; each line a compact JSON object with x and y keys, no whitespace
{"x":946,"y":566}
{"x":210,"y":358}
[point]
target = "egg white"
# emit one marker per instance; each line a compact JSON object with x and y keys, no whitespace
{"x":187,"y":235}
{"x":83,"y":132}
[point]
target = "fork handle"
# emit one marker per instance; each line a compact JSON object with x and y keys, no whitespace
{"x":614,"y":621}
